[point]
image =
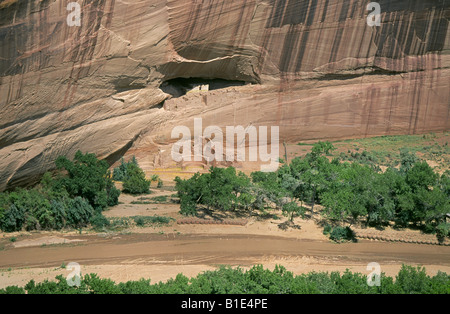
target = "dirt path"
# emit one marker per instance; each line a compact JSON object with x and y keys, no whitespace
{"x":214,"y":249}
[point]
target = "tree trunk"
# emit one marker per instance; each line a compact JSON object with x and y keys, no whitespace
{"x":313,"y":199}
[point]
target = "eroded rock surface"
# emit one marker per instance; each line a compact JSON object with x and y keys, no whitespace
{"x":112,"y":85}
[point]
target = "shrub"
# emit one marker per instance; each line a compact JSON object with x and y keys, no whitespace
{"x":101,"y":286}
{"x":142,"y":221}
{"x":66,"y":201}
{"x":327,"y":229}
{"x":156,"y":178}
{"x":412,"y":280}
{"x":188,"y":207}
{"x":98,"y":221}
{"x":121,"y":173}
{"x":442,"y":231}
{"x":88,"y":178}
{"x":59,"y":210}
{"x":12,"y":290}
{"x":408,"y":159}
{"x":13,"y":219}
{"x":257,"y":280}
{"x":119,"y":222}
{"x":221,"y":189}
{"x":113,"y":194}
{"x":290,"y":209}
{"x":340,"y":234}
{"x":159,"y":199}
{"x":79,"y":213}
{"x":136,"y":183}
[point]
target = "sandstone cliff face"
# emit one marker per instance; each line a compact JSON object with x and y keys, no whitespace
{"x":112,"y":85}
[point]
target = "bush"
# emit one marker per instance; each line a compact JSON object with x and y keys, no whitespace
{"x":156,"y":178}
{"x":28,"y":209}
{"x":139,"y":221}
{"x":412,"y":280}
{"x":59,"y":210}
{"x":98,"y":221}
{"x":68,"y":200}
{"x":340,"y":234}
{"x":221,"y":189}
{"x":159,"y":199}
{"x":257,"y":280}
{"x":121,"y":173}
{"x":142,"y":221}
{"x":12,"y":290}
{"x":188,"y":207}
{"x":136,"y":183}
{"x":113,"y":194}
{"x":327,"y":229}
{"x":118,"y":223}
{"x":442,"y":231}
{"x":79,"y":213}
{"x":13,"y":219}
{"x":290,"y":209}
{"x":31,"y":209}
{"x":88,"y":178}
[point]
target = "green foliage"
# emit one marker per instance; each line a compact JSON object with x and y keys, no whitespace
{"x":443,"y":230}
{"x":421,"y":176}
{"x":142,"y":221}
{"x":327,"y":229}
{"x":121,"y":173}
{"x":118,"y":223}
{"x":221,"y":189}
{"x":112,"y":193}
{"x":67,"y":201}
{"x":340,"y":234}
{"x":13,"y":219}
{"x":133,"y":177}
{"x":156,"y":178}
{"x":415,"y":194}
{"x":365,"y":158}
{"x":135,"y":182}
{"x":290,"y":209}
{"x":408,"y":159}
{"x":88,"y":178}
{"x":98,"y":221}
{"x":98,"y":285}
{"x":12,"y":290}
{"x":79,"y":213}
{"x":257,"y":280}
{"x":188,"y":206}
{"x":60,"y":286}
{"x":159,"y":199}
{"x":59,"y":209}
{"x":322,"y":148}
{"x":415,"y":280}
{"x":30,"y":209}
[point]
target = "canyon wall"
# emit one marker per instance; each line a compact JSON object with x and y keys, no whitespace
{"x":112,"y":85}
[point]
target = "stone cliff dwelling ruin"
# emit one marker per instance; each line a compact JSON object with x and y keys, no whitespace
{"x":184,"y":86}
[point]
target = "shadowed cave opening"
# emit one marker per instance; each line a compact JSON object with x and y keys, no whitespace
{"x":181,"y":86}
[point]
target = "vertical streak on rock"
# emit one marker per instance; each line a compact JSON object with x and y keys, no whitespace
{"x":324,"y":12}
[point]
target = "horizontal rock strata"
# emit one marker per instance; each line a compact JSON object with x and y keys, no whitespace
{"x":114,"y":85}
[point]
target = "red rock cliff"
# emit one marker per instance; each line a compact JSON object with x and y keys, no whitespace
{"x":114,"y":85}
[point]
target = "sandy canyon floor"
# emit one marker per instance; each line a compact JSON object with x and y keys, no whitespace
{"x":161,"y":251}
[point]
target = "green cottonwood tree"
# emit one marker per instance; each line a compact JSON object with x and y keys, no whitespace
{"x":135,"y":181}
{"x":88,"y":178}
